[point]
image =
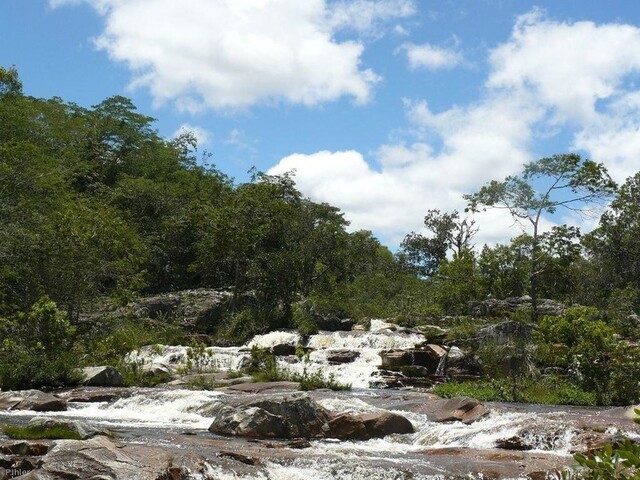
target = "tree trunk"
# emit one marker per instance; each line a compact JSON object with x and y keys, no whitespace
{"x":533,"y":276}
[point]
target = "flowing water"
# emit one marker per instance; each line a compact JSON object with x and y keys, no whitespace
{"x":160,"y":416}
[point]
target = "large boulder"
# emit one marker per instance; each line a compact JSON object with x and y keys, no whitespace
{"x":31,"y":400}
{"x":104,"y":376}
{"x":331,"y":323}
{"x":365,"y":426}
{"x":287,"y":416}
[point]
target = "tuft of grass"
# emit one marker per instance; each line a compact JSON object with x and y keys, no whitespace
{"x":39,"y":433}
{"x":552,"y":390}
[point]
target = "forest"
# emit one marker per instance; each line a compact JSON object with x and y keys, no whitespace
{"x":96,"y":208}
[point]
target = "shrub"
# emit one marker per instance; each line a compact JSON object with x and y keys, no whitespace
{"x":38,"y":349}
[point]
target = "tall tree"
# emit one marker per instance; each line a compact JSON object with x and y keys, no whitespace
{"x":564,"y":181}
{"x":447,"y":231}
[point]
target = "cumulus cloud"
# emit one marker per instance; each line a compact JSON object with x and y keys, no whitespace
{"x":431,"y":57}
{"x":573,"y":78}
{"x":232,"y":54}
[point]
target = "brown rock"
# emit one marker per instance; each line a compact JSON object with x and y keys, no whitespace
{"x":457,"y":409}
{"x":31,"y":400}
{"x":514,"y":443}
{"x":240,"y":457}
{"x":342,"y":356}
{"x":24,"y":449}
{"x":347,"y":427}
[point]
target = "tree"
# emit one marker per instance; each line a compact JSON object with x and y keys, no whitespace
{"x":423,"y":254}
{"x":564,"y":181}
{"x":10,"y":83}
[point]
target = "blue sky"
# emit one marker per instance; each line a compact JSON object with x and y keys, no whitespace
{"x":385,"y":108}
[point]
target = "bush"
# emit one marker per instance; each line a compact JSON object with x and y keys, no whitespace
{"x":38,"y":349}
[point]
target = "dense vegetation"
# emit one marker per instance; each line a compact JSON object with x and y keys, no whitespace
{"x":96,"y":205}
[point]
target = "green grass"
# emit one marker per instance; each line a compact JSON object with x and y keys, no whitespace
{"x":38,"y":433}
{"x":546,"y":391}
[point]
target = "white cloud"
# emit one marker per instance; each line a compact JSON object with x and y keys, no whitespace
{"x":431,"y":57}
{"x":549,"y":77}
{"x":229,"y":54}
{"x":203,"y":136}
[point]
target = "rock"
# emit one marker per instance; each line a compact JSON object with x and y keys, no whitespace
{"x":240,"y":457}
{"x":428,"y":356}
{"x":82,"y":429}
{"x":387,"y":379}
{"x":260,"y":387}
{"x":342,"y":356}
{"x":506,"y":332}
{"x":415,"y":371}
{"x":104,"y":376}
{"x":158,"y":307}
{"x":394,"y":358}
{"x":457,"y":409}
{"x":283,"y":350}
{"x":287,"y":416}
{"x":24,"y":449}
{"x":31,"y":400}
{"x":514,"y":443}
{"x":381,"y":424}
{"x":331,"y":323}
{"x":433,"y":333}
{"x":95,"y":394}
{"x":157,"y":370}
{"x":347,"y":427}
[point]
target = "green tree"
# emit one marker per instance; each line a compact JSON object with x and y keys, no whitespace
{"x":559,"y":182}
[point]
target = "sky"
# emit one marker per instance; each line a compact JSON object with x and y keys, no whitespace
{"x":384,"y":108}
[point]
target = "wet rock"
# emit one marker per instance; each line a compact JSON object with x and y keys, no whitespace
{"x":261,"y":387}
{"x":381,"y":424}
{"x":283,"y":350}
{"x":95,"y":394}
{"x":240,"y":458}
{"x":82,"y":429}
{"x":415,"y":371}
{"x":347,"y":427}
{"x":457,"y":409}
{"x":514,"y":443}
{"x":387,"y":379}
{"x":31,"y":400}
{"x":394,"y":358}
{"x":428,"y":356}
{"x":103,"y":376}
{"x":287,"y":416}
{"x":342,"y":356}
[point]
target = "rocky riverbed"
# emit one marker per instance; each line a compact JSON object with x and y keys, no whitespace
{"x":242,"y":430}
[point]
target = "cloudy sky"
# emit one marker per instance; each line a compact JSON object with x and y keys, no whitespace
{"x":385,"y":108}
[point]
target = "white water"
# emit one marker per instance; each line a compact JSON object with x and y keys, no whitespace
{"x":358,"y":374}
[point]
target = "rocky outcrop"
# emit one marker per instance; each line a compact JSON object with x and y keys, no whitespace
{"x":288,"y":416}
{"x":104,"y":376}
{"x":429,"y":356}
{"x":31,"y":400}
{"x":298,"y":416}
{"x":493,"y":307}
{"x":510,"y":331}
{"x":94,"y":394}
{"x":330,"y":323}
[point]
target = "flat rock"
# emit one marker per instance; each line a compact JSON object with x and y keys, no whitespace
{"x":457,"y":409}
{"x":95,"y":394}
{"x":31,"y":400}
{"x":83,"y":429}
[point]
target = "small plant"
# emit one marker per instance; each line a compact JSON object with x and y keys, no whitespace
{"x":198,"y":358}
